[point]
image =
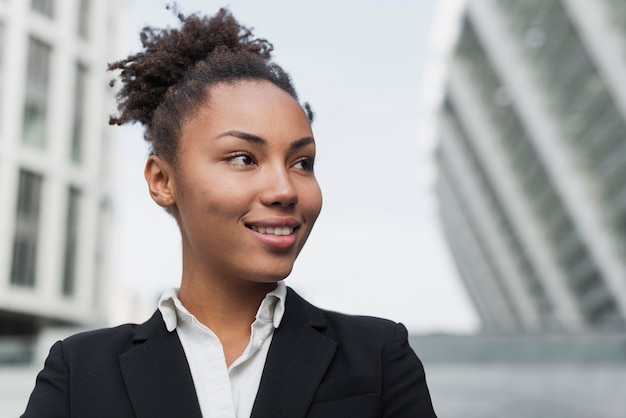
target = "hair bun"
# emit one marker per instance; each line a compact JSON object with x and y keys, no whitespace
{"x":169,"y":54}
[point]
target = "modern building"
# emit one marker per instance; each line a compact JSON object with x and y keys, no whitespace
{"x":525,"y":375}
{"x":55,"y":161}
{"x":532,"y":162}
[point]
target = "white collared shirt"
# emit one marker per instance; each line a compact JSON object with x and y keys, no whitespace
{"x":224,"y":392}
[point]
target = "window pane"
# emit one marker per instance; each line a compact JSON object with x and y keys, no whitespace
{"x":71,"y":241}
{"x":36,"y":99}
{"x":43,"y":6}
{"x":84,"y":9}
{"x":79,"y":113}
{"x":26,"y":229}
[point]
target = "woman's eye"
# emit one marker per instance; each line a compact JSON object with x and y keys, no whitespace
{"x":305,"y":164}
{"x":241,"y":160}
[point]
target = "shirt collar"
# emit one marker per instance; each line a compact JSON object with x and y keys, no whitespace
{"x":272,"y":307}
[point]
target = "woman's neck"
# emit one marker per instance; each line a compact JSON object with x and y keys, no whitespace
{"x":223,"y":303}
{"x":228,"y":308}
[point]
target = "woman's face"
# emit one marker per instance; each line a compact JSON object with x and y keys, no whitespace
{"x":244,"y":192}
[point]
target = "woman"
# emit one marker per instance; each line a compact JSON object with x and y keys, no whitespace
{"x":232,"y":161}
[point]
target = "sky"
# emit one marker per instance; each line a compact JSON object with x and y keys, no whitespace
{"x":377,"y":247}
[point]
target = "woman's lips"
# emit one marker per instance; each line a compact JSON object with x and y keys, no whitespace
{"x":277,"y":237}
{"x":271,"y":230}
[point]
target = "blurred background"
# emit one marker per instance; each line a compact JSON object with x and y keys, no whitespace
{"x":472,"y":155}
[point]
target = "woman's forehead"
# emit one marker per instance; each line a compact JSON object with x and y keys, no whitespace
{"x":255,"y":108}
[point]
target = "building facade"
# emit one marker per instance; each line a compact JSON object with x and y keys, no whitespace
{"x":55,"y":161}
{"x":532,"y":162}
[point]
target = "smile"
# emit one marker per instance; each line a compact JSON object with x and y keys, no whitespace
{"x":270,"y":230}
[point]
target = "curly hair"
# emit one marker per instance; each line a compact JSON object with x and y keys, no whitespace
{"x":166,"y":83}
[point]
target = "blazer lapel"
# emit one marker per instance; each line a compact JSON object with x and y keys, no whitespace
{"x":157,"y":375}
{"x":296,"y":362}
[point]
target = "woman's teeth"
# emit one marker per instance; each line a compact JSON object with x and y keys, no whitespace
{"x":279,"y":230}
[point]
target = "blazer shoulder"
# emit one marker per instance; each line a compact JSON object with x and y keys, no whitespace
{"x":114,"y":339}
{"x":344,"y":325}
{"x":123,"y":331}
{"x":364,"y":329}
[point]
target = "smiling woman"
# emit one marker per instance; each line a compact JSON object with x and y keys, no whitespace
{"x":232,"y":161}
{"x":256,"y":139}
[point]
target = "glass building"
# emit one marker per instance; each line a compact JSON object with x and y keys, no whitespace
{"x":55,"y":161}
{"x":532,"y":162}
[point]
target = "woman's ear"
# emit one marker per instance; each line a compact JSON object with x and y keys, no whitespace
{"x":158,"y":174}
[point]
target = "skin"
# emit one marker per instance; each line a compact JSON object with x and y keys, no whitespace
{"x":245,"y":162}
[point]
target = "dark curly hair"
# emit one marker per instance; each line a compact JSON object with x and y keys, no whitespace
{"x":166,"y":83}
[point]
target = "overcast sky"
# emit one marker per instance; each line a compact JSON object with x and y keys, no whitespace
{"x":376,"y":248}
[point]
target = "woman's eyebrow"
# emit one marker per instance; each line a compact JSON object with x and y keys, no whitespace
{"x":245,"y":136}
{"x":299,"y":143}
{"x":255,"y":139}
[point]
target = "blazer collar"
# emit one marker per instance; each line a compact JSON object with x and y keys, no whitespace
{"x":159,"y":383}
{"x":296,"y":362}
{"x":157,"y":375}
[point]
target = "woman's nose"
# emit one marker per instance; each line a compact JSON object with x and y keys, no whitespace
{"x":279,"y":188}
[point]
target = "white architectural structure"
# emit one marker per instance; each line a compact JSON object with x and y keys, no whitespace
{"x":532,"y":162}
{"x":55,"y":161}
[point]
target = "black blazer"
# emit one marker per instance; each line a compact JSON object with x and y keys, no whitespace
{"x":320,"y":364}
